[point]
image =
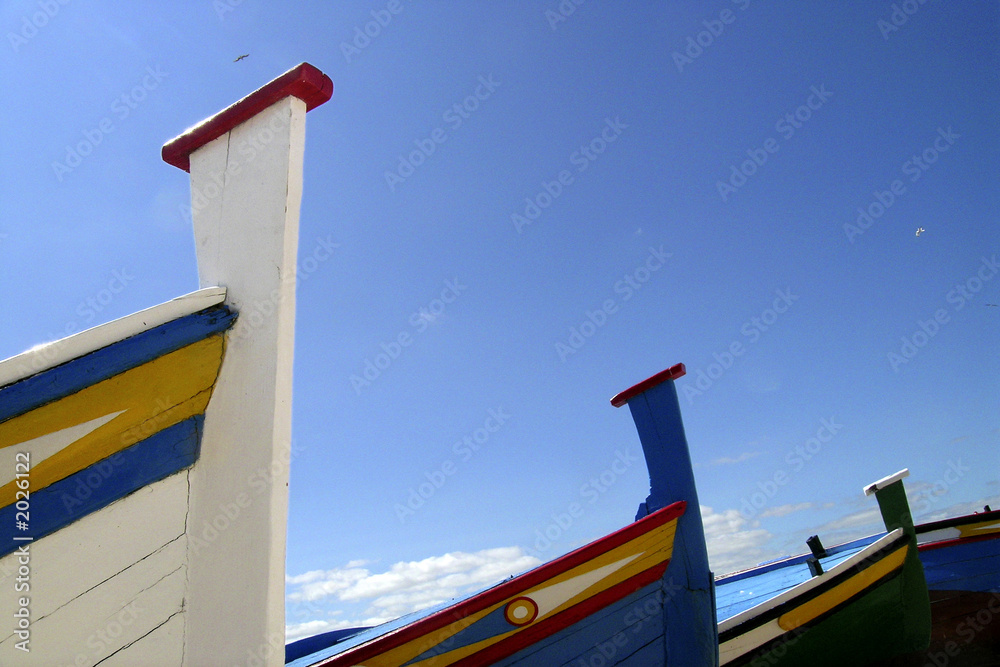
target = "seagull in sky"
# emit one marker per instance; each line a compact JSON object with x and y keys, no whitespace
{"x":920,"y":229}
{"x":241,"y":57}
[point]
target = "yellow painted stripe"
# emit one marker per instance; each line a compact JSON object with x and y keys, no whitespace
{"x":654,"y":547}
{"x":983,"y":528}
{"x":153,"y":396}
{"x":824,"y":602}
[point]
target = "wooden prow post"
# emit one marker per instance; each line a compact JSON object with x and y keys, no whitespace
{"x":895,"y":510}
{"x":657,"y":415}
{"x":246,"y":187}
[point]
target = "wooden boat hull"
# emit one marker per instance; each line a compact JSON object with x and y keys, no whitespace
{"x":109,"y":422}
{"x":149,"y":457}
{"x":961,"y":559}
{"x":640,"y":596}
{"x":854,"y":604}
{"x":589,"y":601}
{"x":829,"y":620}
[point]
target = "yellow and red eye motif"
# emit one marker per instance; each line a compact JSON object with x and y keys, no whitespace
{"x":521,"y":611}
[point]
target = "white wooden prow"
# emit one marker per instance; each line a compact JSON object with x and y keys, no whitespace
{"x":246,"y":187}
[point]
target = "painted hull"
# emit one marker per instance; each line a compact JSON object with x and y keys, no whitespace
{"x":641,"y":596}
{"x":850,"y":614}
{"x":961,"y":559}
{"x":858,"y":604}
{"x":607,"y":598}
{"x":104,"y":425}
{"x":144,"y":479}
{"x":963,"y":553}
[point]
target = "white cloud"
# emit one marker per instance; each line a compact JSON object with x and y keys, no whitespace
{"x":785,"y":510}
{"x":728,"y":460}
{"x":733,"y":542}
{"x":404,"y":588}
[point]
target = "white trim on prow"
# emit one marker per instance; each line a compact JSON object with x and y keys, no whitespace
{"x":886,"y":481}
{"x":49,"y":355}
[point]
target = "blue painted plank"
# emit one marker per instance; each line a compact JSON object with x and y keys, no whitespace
{"x":71,"y":377}
{"x":973,"y":566}
{"x":755,"y":587}
{"x":691,"y":632}
{"x":310,"y":645}
{"x":607,"y":637}
{"x":99,"y":485}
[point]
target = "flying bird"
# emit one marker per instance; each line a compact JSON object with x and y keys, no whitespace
{"x":920,"y":229}
{"x":241,"y":57}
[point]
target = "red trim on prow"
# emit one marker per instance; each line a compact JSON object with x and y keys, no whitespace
{"x":445,"y":617}
{"x":930,"y":546}
{"x":672,"y":373}
{"x":303,"y":81}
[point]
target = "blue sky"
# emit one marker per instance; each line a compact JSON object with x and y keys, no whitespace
{"x":526,"y":215}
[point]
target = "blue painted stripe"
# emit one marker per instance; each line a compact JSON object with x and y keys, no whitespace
{"x":94,"y":367}
{"x":99,"y":485}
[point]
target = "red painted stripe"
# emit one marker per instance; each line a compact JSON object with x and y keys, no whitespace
{"x":563,"y":619}
{"x":954,"y":522}
{"x":508,"y":589}
{"x":303,"y":81}
{"x":672,"y":373}
{"x":930,"y":546}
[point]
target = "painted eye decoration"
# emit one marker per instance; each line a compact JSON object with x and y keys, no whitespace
{"x":520,"y":611}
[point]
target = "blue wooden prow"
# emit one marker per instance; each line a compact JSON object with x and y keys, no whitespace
{"x":690,"y":632}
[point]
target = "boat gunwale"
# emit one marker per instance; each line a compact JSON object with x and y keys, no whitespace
{"x":772,"y":607}
{"x":63,"y":350}
{"x":503,"y":590}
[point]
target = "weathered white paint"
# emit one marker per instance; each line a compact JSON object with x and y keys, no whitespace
{"x":245,"y":211}
{"x":48,"y":355}
{"x":103,"y":582}
{"x":886,"y":481}
{"x":164,"y":645}
{"x":195,"y":562}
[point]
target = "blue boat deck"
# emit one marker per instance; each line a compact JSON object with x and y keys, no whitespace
{"x":740,"y":591}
